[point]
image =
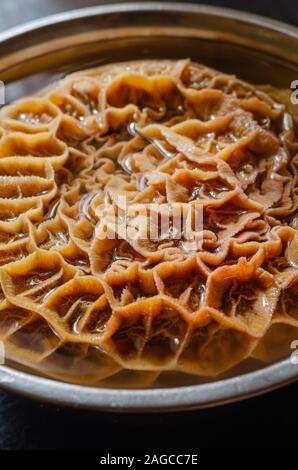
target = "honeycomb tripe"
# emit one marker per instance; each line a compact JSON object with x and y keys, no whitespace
{"x":83,"y":298}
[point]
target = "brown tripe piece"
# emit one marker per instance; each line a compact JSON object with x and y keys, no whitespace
{"x":81,"y":305}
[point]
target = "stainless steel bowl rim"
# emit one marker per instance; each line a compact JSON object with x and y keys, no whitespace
{"x":161,"y":399}
{"x":165,"y":399}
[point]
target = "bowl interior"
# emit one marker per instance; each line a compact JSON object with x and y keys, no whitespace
{"x":48,"y":57}
{"x":247,"y":63}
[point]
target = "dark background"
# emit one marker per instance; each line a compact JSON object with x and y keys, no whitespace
{"x":263,"y":423}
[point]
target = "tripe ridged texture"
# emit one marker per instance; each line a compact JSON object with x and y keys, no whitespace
{"x":84,"y":307}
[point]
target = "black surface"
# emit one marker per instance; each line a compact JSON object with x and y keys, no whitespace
{"x":264,"y":423}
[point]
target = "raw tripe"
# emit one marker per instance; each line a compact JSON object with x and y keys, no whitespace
{"x":82,"y":305}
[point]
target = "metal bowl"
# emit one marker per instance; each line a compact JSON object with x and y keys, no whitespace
{"x":257,"y":49}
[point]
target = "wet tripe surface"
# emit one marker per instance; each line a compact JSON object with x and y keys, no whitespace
{"x":83,"y":300}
